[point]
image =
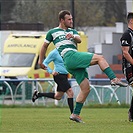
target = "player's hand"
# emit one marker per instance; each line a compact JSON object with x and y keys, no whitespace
{"x":43,"y":66}
{"x":68,"y":36}
{"x":55,"y":73}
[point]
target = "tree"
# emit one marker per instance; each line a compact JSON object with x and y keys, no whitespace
{"x":39,"y":11}
{"x":6,"y":9}
{"x":114,"y":11}
{"x":87,"y":12}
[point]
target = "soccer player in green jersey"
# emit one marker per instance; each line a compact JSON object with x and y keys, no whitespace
{"x":65,"y":39}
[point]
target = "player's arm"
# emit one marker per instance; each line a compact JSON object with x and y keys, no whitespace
{"x":77,"y":39}
{"x":51,"y":56}
{"x":125,"y":46}
{"x":42,"y":54}
{"x":126,"y":54}
{"x":47,"y":41}
{"x":54,"y":73}
{"x":47,"y":61}
{"x":75,"y":36}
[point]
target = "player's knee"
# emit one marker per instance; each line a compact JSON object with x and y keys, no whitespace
{"x":87,"y":90}
{"x":57,"y":97}
{"x":70,"y":93}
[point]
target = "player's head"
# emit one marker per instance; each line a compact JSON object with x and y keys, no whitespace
{"x":65,"y":18}
{"x":130,"y":17}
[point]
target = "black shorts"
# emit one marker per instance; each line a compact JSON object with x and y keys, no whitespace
{"x":62,"y":82}
{"x":128,"y":71}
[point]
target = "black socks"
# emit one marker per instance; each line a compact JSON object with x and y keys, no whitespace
{"x":49,"y":95}
{"x":70,"y":104}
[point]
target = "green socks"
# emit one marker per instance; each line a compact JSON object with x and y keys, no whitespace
{"x":111,"y":75}
{"x":108,"y":71}
{"x":78,"y":108}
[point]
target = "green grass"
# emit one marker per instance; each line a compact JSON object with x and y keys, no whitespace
{"x":55,"y":120}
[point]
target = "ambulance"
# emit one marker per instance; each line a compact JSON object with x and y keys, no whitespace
{"x":21,"y":54}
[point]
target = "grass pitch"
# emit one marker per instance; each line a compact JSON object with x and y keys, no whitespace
{"x":56,"y":120}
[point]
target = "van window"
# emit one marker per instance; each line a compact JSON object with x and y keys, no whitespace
{"x":17,"y":60}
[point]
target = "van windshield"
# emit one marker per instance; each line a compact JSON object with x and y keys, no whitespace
{"x":17,"y":60}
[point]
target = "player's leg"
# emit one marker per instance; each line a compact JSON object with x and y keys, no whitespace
{"x":81,"y":76}
{"x":76,"y":64}
{"x":38,"y":94}
{"x":130,"y":112}
{"x":104,"y":66}
{"x":70,"y":94}
{"x":64,"y":86}
{"x":84,"y":91}
{"x":52,"y":95}
{"x":86,"y":59}
{"x":58,"y":95}
{"x":127,"y":70}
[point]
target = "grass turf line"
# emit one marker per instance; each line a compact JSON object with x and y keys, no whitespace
{"x":51,"y":120}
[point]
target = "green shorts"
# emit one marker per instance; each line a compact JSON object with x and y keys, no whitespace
{"x":76,"y":64}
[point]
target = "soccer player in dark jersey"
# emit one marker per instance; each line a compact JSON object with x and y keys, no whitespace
{"x":127,"y":51}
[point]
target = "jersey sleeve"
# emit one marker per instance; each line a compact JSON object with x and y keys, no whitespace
{"x":125,"y":39}
{"x":49,"y":37}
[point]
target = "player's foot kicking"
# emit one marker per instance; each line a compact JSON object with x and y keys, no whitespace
{"x":130,"y":117}
{"x":76,"y":118}
{"x":35,"y":95}
{"x":116,"y":81}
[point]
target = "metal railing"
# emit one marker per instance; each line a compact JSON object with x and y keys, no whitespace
{"x":97,"y":91}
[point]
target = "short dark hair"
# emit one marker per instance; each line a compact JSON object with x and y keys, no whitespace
{"x":129,"y":16}
{"x":63,"y":13}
